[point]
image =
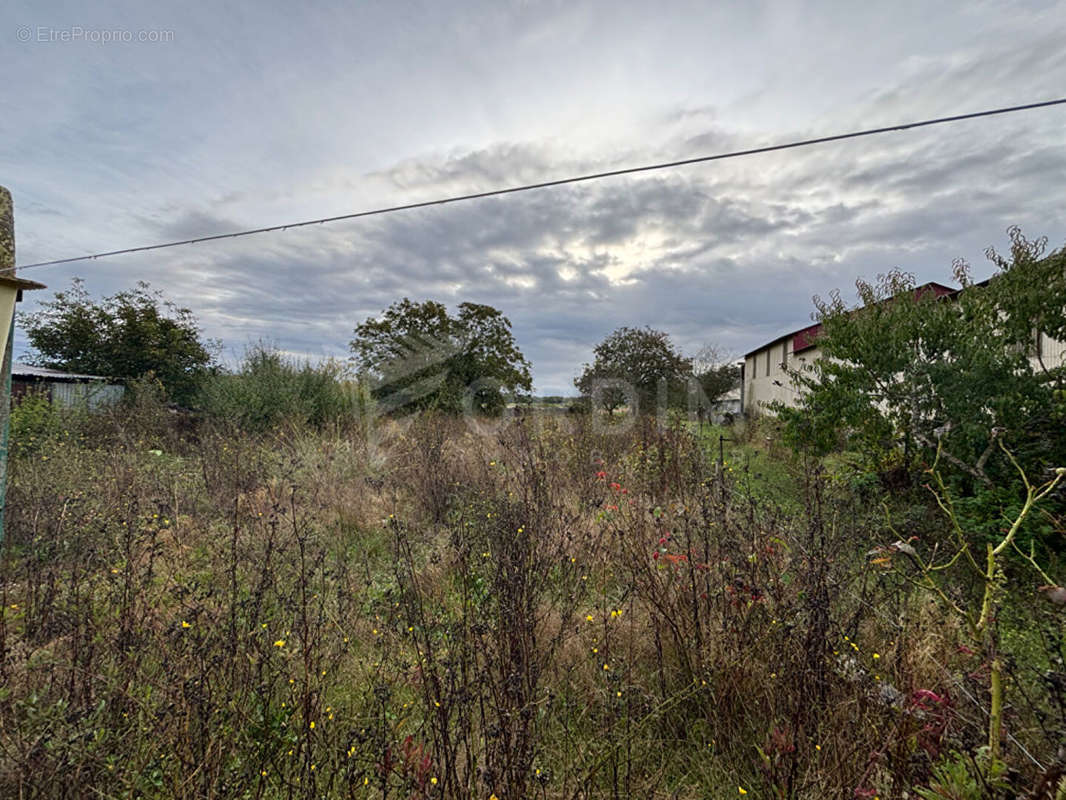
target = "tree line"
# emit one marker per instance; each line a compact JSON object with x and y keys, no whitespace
{"x":414,"y":356}
{"x":907,"y":378}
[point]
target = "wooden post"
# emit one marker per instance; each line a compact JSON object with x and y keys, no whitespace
{"x":10,"y":292}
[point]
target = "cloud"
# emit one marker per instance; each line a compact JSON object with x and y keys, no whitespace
{"x":726,"y":253}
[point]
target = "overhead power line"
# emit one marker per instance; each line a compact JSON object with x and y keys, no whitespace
{"x":592,"y":176}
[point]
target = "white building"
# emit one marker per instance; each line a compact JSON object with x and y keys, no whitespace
{"x":766,"y":381}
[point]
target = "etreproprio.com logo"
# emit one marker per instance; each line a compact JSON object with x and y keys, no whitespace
{"x":77,"y":33}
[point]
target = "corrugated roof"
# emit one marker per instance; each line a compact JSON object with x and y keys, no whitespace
{"x":30,"y":371}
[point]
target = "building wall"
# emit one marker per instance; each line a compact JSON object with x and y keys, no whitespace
{"x":766,"y":368}
{"x":1052,"y":353}
{"x":725,"y":409}
{"x":71,"y":394}
{"x":92,"y":396}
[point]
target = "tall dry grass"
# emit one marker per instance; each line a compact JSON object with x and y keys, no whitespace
{"x":556,"y":610}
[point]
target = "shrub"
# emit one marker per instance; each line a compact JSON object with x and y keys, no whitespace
{"x":269,"y":390}
{"x":33,"y":417}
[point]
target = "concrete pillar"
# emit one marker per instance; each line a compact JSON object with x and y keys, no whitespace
{"x":7,"y":334}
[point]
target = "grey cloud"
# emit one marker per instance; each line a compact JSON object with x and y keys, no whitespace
{"x":191,"y":223}
{"x":728,"y":253}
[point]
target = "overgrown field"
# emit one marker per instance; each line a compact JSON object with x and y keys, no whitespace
{"x":560,"y":609}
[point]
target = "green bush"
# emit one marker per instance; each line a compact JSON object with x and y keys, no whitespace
{"x":965,"y":777}
{"x":269,"y":390}
{"x":32,"y":418}
{"x":35,"y":419}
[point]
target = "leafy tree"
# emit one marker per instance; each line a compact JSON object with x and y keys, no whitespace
{"x":951,"y":386}
{"x":125,"y":336}
{"x":630,"y":366}
{"x":908,"y":373}
{"x":418,"y":356}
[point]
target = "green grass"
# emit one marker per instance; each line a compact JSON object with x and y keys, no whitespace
{"x":761,"y":468}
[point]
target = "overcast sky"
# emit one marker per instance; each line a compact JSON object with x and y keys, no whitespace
{"x":277,"y":112}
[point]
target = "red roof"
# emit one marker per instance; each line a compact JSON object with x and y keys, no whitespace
{"x":806,"y":338}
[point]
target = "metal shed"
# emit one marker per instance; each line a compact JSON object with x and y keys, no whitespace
{"x":65,"y":389}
